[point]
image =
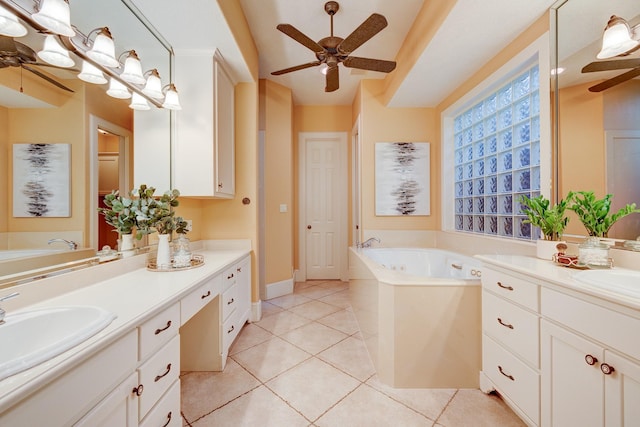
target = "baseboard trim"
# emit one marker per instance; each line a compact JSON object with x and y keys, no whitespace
{"x":278,"y":289}
{"x":256,"y":311}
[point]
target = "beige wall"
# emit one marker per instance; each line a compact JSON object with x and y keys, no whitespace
{"x":4,"y":175}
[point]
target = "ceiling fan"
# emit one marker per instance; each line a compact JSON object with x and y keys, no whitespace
{"x":333,"y":50}
{"x":616,"y":64}
{"x":16,"y":54}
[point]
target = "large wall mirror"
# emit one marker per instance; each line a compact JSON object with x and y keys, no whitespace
{"x":98,"y":129}
{"x":598,"y":130}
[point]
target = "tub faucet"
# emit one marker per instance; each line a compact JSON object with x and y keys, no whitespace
{"x":72,"y":245}
{"x":367,"y":243}
{"x":6,"y":297}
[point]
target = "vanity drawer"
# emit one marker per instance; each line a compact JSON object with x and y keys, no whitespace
{"x":512,"y":378}
{"x":158,"y":330}
{"x":615,"y":330}
{"x":197,"y":299}
{"x":167,"y":410}
{"x":229,"y":278}
{"x":513,"y":288}
{"x":230,"y":330}
{"x":229,"y":301}
{"x":158,"y":373}
{"x":515,"y":327}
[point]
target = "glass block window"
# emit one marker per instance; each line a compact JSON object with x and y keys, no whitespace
{"x":497,"y":159}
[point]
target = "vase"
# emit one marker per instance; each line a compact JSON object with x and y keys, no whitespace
{"x":126,"y":246}
{"x":181,"y":252}
{"x":163,"y":258}
{"x":545,"y":249}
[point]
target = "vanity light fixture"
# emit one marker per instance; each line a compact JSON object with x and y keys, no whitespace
{"x":103,"y":50}
{"x":91,"y":74}
{"x":53,"y":53}
{"x":118,"y":90}
{"x":9,"y":24}
{"x":153,"y":87}
{"x":138,"y":102}
{"x":55,"y":16}
{"x":171,"y":100}
{"x":132,"y":72}
{"x":618,"y":38}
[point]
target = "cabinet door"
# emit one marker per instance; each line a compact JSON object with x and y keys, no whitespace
{"x":572,"y":389}
{"x":119,"y":408}
{"x":622,"y":392}
{"x":224,"y":133}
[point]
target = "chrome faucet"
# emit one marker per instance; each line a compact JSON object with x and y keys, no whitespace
{"x":367,"y":243}
{"x":6,"y":297}
{"x":72,"y":245}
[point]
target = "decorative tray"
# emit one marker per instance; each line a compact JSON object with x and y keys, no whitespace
{"x":572,"y":262}
{"x":196,"y":261}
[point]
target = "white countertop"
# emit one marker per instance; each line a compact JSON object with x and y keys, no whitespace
{"x":133,"y":296}
{"x":560,"y":276}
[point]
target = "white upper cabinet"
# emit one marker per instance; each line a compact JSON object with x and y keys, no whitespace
{"x":203,"y":148}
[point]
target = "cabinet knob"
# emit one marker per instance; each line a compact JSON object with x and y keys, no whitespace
{"x":308,"y":227}
{"x":606,"y":369}
{"x":138,"y":390}
{"x":591,"y":360}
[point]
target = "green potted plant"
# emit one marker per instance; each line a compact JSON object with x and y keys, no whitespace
{"x":550,"y":219}
{"x":595,"y":213}
{"x":120,"y":213}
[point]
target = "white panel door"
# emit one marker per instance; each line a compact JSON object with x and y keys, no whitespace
{"x":323,"y":217}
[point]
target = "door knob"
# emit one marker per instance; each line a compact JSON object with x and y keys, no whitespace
{"x":308,"y":227}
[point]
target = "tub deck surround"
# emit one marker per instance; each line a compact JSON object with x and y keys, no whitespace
{"x":130,"y":291}
{"x":420,"y":332}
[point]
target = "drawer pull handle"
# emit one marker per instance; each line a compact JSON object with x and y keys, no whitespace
{"x":607,"y":369}
{"x":590,"y":360}
{"x":168,"y":420}
{"x":506,"y":325}
{"x":506,"y":375}
{"x":232,"y":329}
{"x":159,"y":377}
{"x":230,"y":276}
{"x":165,"y":328}
{"x":208,"y":294}
{"x":231,"y":301}
{"x":138,"y":390}
{"x":239,"y":269}
{"x":507,"y":287}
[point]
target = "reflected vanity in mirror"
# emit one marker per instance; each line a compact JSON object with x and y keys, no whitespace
{"x":97,"y":127}
{"x":598,"y":119}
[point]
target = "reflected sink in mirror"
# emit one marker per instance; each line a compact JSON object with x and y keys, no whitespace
{"x":35,"y":336}
{"x":624,"y":282}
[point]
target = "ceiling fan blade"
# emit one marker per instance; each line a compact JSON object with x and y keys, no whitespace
{"x":333,"y":79}
{"x":616,"y":80}
{"x":47,"y":78}
{"x":296,"y":68}
{"x":25,"y":52}
{"x":617,"y":64}
{"x":369,"y":28}
{"x":298,"y":36}
{"x":370,"y":64}
{"x":8,"y":46}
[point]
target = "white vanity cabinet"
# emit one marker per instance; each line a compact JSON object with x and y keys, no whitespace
{"x":589,"y":376}
{"x":204,"y":153}
{"x":510,"y":341}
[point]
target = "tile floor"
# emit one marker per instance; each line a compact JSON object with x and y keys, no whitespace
{"x":305,"y":364}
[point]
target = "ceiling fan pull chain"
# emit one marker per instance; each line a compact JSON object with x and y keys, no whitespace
{"x":21,"y":89}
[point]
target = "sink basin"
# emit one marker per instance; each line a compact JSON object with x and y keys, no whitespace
{"x":32,"y":337}
{"x":625,"y":282}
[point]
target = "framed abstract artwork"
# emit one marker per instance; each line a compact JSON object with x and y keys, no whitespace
{"x":402,"y":178}
{"x":41,"y":180}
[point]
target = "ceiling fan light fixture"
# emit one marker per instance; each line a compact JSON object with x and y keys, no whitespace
{"x":118,"y":90}
{"x":103,"y":50}
{"x":9,"y":24}
{"x":53,"y":53}
{"x":617,"y":38}
{"x":132,"y":72}
{"x":153,"y":87}
{"x":171,"y":99}
{"x":91,"y":74}
{"x":55,"y":16}
{"x":324,"y":69}
{"x":139,"y":103}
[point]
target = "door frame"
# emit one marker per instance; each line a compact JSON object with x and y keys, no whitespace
{"x":341,"y":200}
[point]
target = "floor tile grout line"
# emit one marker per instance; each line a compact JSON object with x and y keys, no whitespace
{"x":338,"y":402}
{"x":397,"y":400}
{"x":446,"y":406}
{"x":185,"y":419}
{"x":225,"y":404}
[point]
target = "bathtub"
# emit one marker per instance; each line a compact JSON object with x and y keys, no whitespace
{"x":419,"y":311}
